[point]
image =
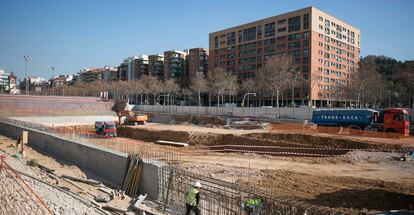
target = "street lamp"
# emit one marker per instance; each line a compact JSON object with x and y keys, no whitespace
{"x":254,"y":94}
{"x":53,"y":80}
{"x":26,"y":60}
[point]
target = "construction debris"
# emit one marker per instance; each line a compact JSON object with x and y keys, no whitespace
{"x":172,"y":143}
{"x":114,"y":209}
{"x":86,"y":181}
{"x":139,"y":201}
{"x":133,"y":175}
{"x":103,"y":198}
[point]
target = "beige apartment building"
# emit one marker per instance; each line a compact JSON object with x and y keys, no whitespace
{"x":326,"y":49}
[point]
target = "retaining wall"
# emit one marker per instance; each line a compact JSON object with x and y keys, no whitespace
{"x":105,"y":163}
{"x":302,"y":113}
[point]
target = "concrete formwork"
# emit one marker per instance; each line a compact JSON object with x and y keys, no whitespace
{"x":105,"y":163}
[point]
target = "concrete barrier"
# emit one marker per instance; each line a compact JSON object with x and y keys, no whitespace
{"x":105,"y":163}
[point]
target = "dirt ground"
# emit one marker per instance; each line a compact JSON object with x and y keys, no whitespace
{"x":358,"y":182}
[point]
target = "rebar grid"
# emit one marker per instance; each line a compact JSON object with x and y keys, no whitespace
{"x":220,"y":197}
{"x":16,"y":197}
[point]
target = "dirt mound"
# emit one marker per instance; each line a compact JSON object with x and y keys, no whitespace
{"x":353,"y":195}
{"x":152,"y":135}
{"x":319,"y":141}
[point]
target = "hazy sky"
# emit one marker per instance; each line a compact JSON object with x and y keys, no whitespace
{"x":73,"y":34}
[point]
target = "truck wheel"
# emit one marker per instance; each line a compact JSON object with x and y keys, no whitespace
{"x":390,"y":132}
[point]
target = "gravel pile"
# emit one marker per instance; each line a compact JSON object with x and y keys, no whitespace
{"x":372,"y":157}
{"x":58,"y":201}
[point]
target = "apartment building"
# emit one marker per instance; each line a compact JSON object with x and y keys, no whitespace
{"x":325,"y":48}
{"x":156,"y":66}
{"x":140,"y":66}
{"x":4,"y":81}
{"x":91,"y":74}
{"x":110,"y":73}
{"x":197,"y":61}
{"x":175,"y":66}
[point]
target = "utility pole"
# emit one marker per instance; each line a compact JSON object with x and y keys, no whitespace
{"x":26,"y":60}
{"x":53,"y":80}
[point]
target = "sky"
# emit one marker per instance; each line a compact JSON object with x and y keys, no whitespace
{"x":71,"y":35}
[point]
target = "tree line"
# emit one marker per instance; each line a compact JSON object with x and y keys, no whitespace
{"x":378,"y":82}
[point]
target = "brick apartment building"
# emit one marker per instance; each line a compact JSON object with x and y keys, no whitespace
{"x":197,"y":61}
{"x":326,"y":48}
{"x":156,"y":66}
{"x":175,"y":66}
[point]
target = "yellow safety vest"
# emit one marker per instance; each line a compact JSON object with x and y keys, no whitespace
{"x":191,"y":197}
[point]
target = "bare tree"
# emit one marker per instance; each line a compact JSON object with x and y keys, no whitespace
{"x":171,"y":88}
{"x":217,"y":83}
{"x":248,"y":86}
{"x":275,"y":75}
{"x":365,"y":84}
{"x":199,"y":85}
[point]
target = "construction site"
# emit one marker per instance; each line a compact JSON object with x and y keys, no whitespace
{"x":82,"y":155}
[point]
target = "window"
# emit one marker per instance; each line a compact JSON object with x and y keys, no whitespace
{"x":320,"y":18}
{"x":216,"y":42}
{"x":306,"y":21}
{"x":294,"y":45}
{"x":270,"y":41}
{"x":270,"y":29}
{"x":249,"y":34}
{"x":281,"y":29}
{"x":306,"y":35}
{"x":231,"y":38}
{"x":240,"y":35}
{"x":294,"y":36}
{"x":294,"y":24}
{"x":305,"y":52}
{"x":259,"y":31}
{"x":281,"y":38}
{"x":281,"y":22}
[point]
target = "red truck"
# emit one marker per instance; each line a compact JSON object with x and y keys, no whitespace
{"x":107,"y":129}
{"x":391,"y":120}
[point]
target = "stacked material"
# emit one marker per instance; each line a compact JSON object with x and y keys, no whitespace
{"x":133,"y":175}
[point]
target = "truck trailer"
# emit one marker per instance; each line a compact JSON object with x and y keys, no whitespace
{"x":391,"y":120}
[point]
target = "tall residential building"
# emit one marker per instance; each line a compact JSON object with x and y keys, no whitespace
{"x":4,"y":81}
{"x":91,"y":74}
{"x":197,"y":61}
{"x":175,"y":66}
{"x":140,"y":66}
{"x":110,"y":73}
{"x":325,"y":47}
{"x":156,"y":66}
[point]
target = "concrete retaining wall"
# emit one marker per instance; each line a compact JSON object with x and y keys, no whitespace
{"x":105,"y":163}
{"x":302,"y":113}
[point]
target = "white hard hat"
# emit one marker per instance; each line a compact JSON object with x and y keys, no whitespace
{"x":197,"y":184}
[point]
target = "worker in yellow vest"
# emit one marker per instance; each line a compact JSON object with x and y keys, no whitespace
{"x":252,"y":206}
{"x":193,"y":199}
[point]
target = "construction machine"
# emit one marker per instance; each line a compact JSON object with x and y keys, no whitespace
{"x":132,"y":118}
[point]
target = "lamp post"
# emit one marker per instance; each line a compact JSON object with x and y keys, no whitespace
{"x":231,"y":86}
{"x":254,"y":94}
{"x":26,"y":60}
{"x":53,"y":80}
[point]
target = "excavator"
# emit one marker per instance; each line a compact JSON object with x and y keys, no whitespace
{"x":122,"y":109}
{"x":132,"y":118}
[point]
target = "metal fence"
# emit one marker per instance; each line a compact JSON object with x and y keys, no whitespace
{"x":224,"y":198}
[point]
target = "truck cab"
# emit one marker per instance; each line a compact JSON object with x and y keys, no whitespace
{"x":105,"y":128}
{"x":396,"y":120}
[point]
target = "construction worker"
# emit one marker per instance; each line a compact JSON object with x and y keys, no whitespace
{"x":193,"y":199}
{"x":252,"y":206}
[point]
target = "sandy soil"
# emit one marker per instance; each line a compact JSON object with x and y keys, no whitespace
{"x":193,"y":128}
{"x":357,"y":182}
